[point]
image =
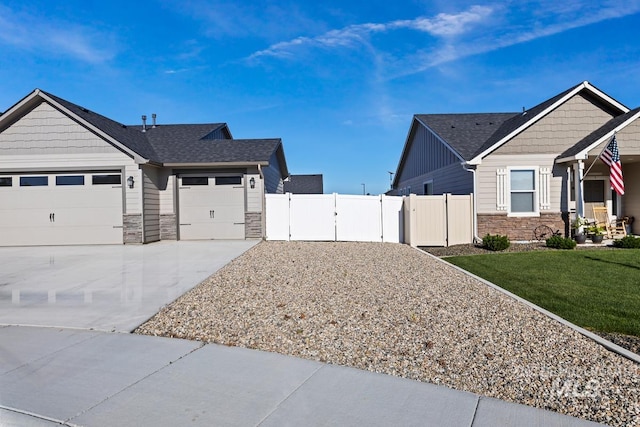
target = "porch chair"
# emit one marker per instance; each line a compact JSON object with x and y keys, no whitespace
{"x":613,"y":228}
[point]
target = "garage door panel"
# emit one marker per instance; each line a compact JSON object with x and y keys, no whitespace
{"x":30,"y":217}
{"x":211,"y":211}
{"x":60,"y":215}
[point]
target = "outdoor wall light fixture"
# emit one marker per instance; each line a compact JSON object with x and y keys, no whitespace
{"x":130,"y":182}
{"x":252,"y":182}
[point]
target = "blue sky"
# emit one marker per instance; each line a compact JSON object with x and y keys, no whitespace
{"x":338,"y":81}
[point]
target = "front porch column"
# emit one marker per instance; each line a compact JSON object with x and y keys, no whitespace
{"x":578,"y":170}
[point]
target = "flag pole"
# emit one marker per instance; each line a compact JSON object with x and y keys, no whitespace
{"x":598,"y":156}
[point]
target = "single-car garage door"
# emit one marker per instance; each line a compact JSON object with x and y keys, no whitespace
{"x":61,"y":209}
{"x":211,"y":207}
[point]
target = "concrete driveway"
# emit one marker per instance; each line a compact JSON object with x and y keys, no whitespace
{"x":108,"y":288}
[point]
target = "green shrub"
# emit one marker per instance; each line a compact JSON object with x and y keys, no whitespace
{"x":627,"y":242}
{"x":559,"y":242}
{"x":495,"y":243}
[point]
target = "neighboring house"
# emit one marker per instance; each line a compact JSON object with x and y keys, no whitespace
{"x":526,"y":169}
{"x":71,"y":176}
{"x":304,"y":184}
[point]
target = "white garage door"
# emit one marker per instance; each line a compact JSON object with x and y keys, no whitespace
{"x":61,"y":209}
{"x":211,"y":207}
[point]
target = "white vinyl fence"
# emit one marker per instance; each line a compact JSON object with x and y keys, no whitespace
{"x":442,"y":220}
{"x":334,"y":217}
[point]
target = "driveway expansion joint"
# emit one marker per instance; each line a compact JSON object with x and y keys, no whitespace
{"x":169,"y":363}
{"x":294,"y":391}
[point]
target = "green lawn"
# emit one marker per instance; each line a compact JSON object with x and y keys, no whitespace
{"x":596,"y":289}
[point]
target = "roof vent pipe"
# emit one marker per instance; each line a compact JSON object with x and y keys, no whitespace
{"x":524,"y":111}
{"x":144,"y":123}
{"x":153,"y":120}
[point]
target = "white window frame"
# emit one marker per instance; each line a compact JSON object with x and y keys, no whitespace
{"x":536,"y":191}
{"x":424,"y":184}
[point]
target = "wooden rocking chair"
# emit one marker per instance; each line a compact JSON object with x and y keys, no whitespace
{"x":613,"y":228}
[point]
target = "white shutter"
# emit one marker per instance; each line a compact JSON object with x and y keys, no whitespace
{"x":501,"y":190}
{"x":545,"y":189}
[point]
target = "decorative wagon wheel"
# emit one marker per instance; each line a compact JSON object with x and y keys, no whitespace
{"x":542,"y":232}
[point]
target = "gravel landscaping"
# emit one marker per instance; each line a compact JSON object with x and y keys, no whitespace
{"x":392,"y":309}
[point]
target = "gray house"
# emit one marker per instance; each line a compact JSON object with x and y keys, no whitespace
{"x":527,"y":168}
{"x":71,"y":176}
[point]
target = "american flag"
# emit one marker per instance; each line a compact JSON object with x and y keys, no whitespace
{"x":611,"y":157}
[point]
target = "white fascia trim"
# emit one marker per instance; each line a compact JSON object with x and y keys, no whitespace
{"x":606,"y":97}
{"x":5,"y":117}
{"x":215,"y":164}
{"x":585,"y":85}
{"x":137,"y":158}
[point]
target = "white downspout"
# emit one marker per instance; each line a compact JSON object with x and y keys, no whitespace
{"x":474,"y":216}
{"x":263,"y":213}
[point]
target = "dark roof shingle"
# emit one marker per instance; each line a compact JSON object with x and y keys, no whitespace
{"x":465,"y":133}
{"x":180,"y":143}
{"x":304,"y":184}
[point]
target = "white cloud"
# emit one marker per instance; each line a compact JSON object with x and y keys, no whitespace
{"x":445,"y":24}
{"x":459,"y":35}
{"x":31,"y":33}
{"x":442,"y":25}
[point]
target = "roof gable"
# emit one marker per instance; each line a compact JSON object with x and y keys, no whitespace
{"x":464,"y":133}
{"x":595,"y":138}
{"x":520,"y":122}
{"x":208,"y":143}
{"x":133,"y":139}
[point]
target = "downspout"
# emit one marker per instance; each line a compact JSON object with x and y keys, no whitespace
{"x":263,"y":215}
{"x":474,"y":216}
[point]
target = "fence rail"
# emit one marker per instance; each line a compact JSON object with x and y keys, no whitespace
{"x":334,"y":217}
{"x":417,"y":220}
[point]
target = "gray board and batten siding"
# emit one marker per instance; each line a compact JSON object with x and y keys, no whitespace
{"x":273,"y":180}
{"x":151,"y":204}
{"x":430,"y":160}
{"x":426,"y":154}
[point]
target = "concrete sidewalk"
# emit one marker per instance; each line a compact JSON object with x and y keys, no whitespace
{"x":53,"y":376}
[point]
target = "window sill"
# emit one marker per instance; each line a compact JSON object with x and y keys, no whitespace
{"x":523,"y":214}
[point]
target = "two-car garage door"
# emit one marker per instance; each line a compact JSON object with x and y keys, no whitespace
{"x":68,"y":208}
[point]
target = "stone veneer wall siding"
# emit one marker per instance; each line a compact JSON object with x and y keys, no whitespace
{"x":253,"y":225}
{"x":132,"y":228}
{"x":519,"y":228}
{"x":168,"y":227}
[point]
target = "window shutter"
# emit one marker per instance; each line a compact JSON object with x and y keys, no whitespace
{"x":545,"y":189}
{"x":501,"y":190}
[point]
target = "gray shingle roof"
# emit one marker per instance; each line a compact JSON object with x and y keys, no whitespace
{"x":465,"y":133}
{"x":180,"y":143}
{"x":472,"y":134}
{"x":588,"y":140}
{"x":219,"y":150}
{"x":304,"y":184}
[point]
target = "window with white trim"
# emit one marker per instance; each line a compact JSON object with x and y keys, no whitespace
{"x":522,"y":192}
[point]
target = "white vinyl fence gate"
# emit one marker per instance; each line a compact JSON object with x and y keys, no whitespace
{"x":441,"y":220}
{"x":334,"y":217}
